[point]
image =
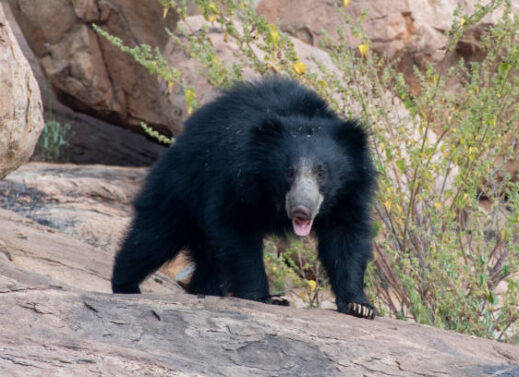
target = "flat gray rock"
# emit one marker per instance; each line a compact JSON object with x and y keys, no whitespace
{"x":57,"y":318}
{"x":56,"y":332}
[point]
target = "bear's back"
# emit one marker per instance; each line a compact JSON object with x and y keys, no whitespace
{"x":245,"y":105}
{"x":277,"y":96}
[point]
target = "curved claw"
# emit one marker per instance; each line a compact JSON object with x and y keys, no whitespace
{"x":279,"y":301}
{"x":360,"y":310}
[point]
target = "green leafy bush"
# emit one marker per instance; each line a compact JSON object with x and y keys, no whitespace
{"x":293,"y":266}
{"x":447,"y":210}
{"x":51,"y":143}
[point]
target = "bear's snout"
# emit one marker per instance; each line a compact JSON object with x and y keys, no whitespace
{"x":301,"y":212}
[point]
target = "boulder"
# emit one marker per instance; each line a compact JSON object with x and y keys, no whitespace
{"x":21,"y":119}
{"x":86,"y":71}
{"x":89,"y":140}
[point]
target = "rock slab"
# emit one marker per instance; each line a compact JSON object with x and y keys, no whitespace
{"x":72,"y":333}
{"x":58,"y":319}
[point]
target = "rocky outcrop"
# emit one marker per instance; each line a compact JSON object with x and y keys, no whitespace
{"x":413,"y":31}
{"x":56,"y":319}
{"x":86,"y":71}
{"x":91,"y":75}
{"x":55,"y":266}
{"x":90,"y":203}
{"x":21,"y":119}
{"x":58,"y":260}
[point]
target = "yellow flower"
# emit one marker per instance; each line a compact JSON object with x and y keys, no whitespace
{"x":299,"y":67}
{"x":170,"y":86}
{"x":345,"y":3}
{"x":210,"y":12}
{"x":190,"y":99}
{"x":438,"y":206}
{"x":213,"y":8}
{"x":363,"y":49}
{"x":472,"y":153}
{"x":462,"y":21}
{"x":312,"y":285}
{"x":273,"y":35}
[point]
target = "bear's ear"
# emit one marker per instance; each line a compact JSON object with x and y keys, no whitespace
{"x":270,"y":130}
{"x":351,"y":134}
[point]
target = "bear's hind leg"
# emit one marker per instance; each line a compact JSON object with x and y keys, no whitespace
{"x":146,"y":248}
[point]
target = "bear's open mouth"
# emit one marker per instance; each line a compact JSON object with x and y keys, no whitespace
{"x":302,"y":226}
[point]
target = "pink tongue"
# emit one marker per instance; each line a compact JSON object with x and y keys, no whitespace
{"x":302,"y":227}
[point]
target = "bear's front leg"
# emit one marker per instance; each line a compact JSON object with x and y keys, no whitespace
{"x":344,"y":254}
{"x":240,"y":256}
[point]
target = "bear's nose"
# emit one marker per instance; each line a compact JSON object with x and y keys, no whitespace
{"x":301,"y":212}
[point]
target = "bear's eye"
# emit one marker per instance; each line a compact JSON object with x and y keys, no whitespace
{"x":291,"y":173}
{"x":320,"y":173}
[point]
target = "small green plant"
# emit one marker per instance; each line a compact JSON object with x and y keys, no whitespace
{"x":281,"y":276}
{"x":52,"y":143}
{"x":156,"y":135}
{"x":292,"y":266}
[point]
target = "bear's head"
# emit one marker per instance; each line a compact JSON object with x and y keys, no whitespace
{"x":306,"y":164}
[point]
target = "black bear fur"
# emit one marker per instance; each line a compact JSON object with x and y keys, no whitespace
{"x":224,"y":185}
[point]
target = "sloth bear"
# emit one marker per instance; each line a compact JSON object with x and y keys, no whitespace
{"x":264,"y":158}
